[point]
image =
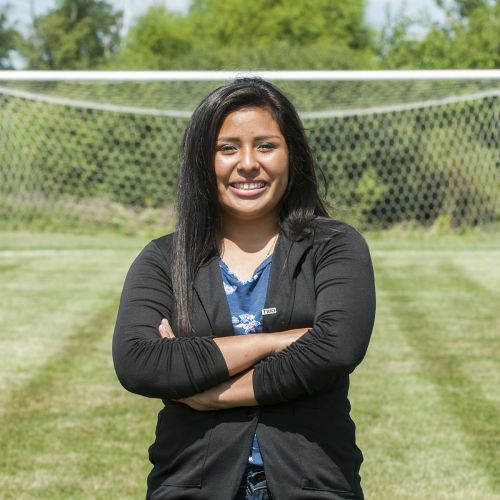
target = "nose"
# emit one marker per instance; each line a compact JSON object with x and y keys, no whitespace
{"x":248,"y":161}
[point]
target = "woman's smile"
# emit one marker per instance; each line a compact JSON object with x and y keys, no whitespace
{"x":251,"y":164}
{"x":248,"y":185}
{"x":248,"y":189}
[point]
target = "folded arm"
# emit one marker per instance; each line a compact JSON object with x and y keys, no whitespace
{"x":172,"y":368}
{"x":332,"y":348}
{"x":237,"y":351}
{"x":344,"y":316}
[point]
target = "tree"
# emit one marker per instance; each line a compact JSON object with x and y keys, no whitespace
{"x":237,"y":34}
{"x":9,"y":39}
{"x":468,"y":38}
{"x":282,"y":34}
{"x":77,"y":34}
{"x":159,"y":39}
{"x":465,"y":7}
{"x":263,"y":23}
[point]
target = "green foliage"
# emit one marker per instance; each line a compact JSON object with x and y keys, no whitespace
{"x":127,"y":162}
{"x":467,"y":39}
{"x":325,"y":34}
{"x":74,"y":156}
{"x":77,"y":34}
{"x":385,"y":169}
{"x":88,"y":215}
{"x":380,"y":169}
{"x":9,"y":39}
{"x":466,"y":7}
{"x":158,"y":40}
{"x":460,"y":185}
{"x":262,"y":34}
{"x":233,"y":34}
{"x":262,"y":23}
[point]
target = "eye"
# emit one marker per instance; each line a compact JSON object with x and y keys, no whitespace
{"x":266,"y":146}
{"x":226,"y":148}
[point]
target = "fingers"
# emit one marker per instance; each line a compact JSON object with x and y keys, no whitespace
{"x":165,"y":330}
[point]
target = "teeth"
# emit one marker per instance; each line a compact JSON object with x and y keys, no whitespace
{"x":249,"y":185}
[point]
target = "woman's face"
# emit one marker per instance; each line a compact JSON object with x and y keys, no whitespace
{"x":251,"y":164}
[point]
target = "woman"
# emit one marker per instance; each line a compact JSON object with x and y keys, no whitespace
{"x":248,"y":414}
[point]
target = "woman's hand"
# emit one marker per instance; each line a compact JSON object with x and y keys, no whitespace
{"x":198,"y":402}
{"x":165,"y":329}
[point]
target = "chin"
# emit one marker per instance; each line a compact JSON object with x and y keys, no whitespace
{"x":252,"y":215}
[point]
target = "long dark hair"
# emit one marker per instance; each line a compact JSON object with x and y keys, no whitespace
{"x":197,"y":199}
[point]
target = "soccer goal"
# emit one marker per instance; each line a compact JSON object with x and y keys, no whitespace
{"x":101,"y":149}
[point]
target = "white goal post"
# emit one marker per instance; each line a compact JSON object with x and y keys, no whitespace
{"x":214,"y":76}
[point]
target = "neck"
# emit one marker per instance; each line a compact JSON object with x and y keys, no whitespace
{"x":250,"y":234}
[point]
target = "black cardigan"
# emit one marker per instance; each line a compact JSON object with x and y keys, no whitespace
{"x":302,"y":421}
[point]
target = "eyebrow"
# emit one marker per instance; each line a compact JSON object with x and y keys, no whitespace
{"x":258,"y":138}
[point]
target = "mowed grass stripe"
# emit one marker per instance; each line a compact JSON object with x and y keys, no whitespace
{"x":69,"y":430}
{"x":432,"y":341}
{"x":72,"y":431}
{"x":42,"y":301}
{"x":413,"y":448}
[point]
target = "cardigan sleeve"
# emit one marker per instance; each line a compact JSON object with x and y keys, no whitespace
{"x":146,"y":363}
{"x":343,"y":322}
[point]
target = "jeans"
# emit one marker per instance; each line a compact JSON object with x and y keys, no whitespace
{"x":253,"y":484}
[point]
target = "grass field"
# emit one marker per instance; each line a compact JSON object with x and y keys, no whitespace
{"x":426,"y":399}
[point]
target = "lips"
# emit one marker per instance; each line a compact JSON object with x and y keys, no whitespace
{"x":248,"y":189}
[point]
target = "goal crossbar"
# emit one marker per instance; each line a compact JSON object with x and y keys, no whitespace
{"x":269,"y":75}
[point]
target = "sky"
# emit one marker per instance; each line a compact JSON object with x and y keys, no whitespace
{"x":375,"y":13}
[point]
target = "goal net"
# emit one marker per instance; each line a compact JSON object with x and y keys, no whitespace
{"x":95,"y":150}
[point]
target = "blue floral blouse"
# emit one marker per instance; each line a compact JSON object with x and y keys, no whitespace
{"x":246,"y":300}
